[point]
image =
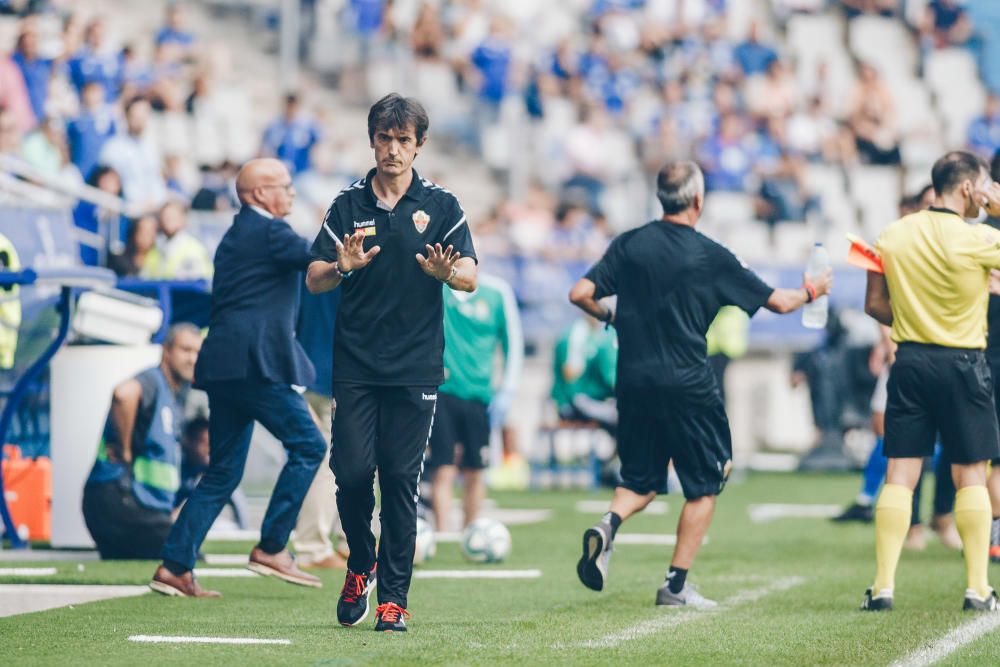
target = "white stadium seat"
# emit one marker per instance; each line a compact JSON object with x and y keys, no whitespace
{"x":727,"y":209}
{"x":792,"y":242}
{"x":945,"y":68}
{"x":871,"y":38}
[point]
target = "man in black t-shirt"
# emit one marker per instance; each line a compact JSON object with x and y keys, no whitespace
{"x":391,"y":239}
{"x":671,"y":281}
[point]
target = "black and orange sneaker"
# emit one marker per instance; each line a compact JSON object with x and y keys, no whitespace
{"x":390,"y":617}
{"x":352,"y":608}
{"x":995,"y":553}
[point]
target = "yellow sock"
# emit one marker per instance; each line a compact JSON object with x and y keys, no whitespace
{"x":892,"y":521}
{"x":973,"y":517}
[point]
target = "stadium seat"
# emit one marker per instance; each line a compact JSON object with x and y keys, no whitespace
{"x":870,"y":38}
{"x":876,"y":192}
{"x":919,"y":152}
{"x":945,"y":68}
{"x":915,"y":178}
{"x":792,"y":242}
{"x":959,"y":107}
{"x":751,"y":240}
{"x":913,"y":105}
{"x":827,"y":182}
{"x":728,"y":208}
{"x":814,"y":35}
{"x":914,"y":12}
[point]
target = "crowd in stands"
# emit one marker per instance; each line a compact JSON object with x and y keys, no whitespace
{"x":572,"y":106}
{"x":619,"y":86}
{"x":143,"y":121}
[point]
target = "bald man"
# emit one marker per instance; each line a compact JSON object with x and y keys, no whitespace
{"x":248,"y":365}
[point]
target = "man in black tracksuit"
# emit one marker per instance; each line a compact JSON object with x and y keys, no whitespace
{"x":391,"y":239}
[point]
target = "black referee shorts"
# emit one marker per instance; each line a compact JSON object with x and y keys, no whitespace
{"x":656,"y":426}
{"x":939,"y":390}
{"x":460,"y":424}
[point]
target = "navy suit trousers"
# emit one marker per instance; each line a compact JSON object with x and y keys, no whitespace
{"x":235,"y":405}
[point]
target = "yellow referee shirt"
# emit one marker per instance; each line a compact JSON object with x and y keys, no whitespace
{"x":937,"y":267}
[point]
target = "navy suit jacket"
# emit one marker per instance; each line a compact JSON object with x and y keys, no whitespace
{"x":255,"y":300}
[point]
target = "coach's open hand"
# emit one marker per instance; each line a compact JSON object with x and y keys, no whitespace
{"x":351,"y":253}
{"x":439,"y":263}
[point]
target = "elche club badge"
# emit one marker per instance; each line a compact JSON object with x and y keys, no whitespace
{"x":421,"y":220}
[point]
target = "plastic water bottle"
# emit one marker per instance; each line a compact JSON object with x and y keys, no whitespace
{"x":814,"y":314}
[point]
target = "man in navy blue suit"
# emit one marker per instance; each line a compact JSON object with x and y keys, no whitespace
{"x":248,"y":366}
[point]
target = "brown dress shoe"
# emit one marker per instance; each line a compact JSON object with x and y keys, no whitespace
{"x":280,"y":565}
{"x":185,"y":586}
{"x":332,"y":562}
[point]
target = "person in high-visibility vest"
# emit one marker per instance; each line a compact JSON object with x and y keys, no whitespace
{"x":129,"y":496}
{"x":10,"y":306}
{"x":178,"y":254}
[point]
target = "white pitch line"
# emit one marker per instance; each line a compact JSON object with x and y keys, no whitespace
{"x":951,"y":642}
{"x":477,"y":574}
{"x":658,"y":539}
{"x":601,"y":507}
{"x":674,"y":617}
{"x":224,"y":573}
{"x":765,"y":513}
{"x":27,"y":571}
{"x":227,"y":559}
{"x":233,"y":535}
{"x":447,"y":537}
{"x":157,"y":639}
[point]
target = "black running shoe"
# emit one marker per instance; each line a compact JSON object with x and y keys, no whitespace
{"x":352,"y":608}
{"x":880,"y":602}
{"x":975,"y":603}
{"x":593,"y":566}
{"x":390,"y":617}
{"x":856,"y":512}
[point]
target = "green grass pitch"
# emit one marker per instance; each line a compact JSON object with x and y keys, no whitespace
{"x":553,"y":620}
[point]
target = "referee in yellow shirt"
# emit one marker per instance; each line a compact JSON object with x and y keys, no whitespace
{"x":934,"y":295}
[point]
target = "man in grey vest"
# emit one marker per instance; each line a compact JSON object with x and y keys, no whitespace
{"x":129,"y":496}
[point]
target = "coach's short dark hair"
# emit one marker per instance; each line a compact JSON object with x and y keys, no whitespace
{"x":678,"y":184}
{"x":395,"y":112}
{"x":955,"y":167}
{"x":995,"y":166}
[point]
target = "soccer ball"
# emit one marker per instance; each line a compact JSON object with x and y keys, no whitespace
{"x":425,"y":546}
{"x":486,"y":541}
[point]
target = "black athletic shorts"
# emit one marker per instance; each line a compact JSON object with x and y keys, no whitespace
{"x":995,"y":369}
{"x":460,"y":424}
{"x":940,"y":390}
{"x":656,"y":426}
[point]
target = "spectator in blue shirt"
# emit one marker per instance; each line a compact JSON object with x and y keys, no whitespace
{"x":492,"y":60}
{"x":983,"y":135}
{"x":753,"y":56}
{"x":946,"y":23}
{"x":94,"y":62}
{"x":367,"y":15}
{"x":724,"y":157}
{"x":88,"y":132}
{"x":104,"y":228}
{"x":136,"y":76}
{"x":291,"y":138}
{"x":175,"y":31}
{"x":37,"y":71}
